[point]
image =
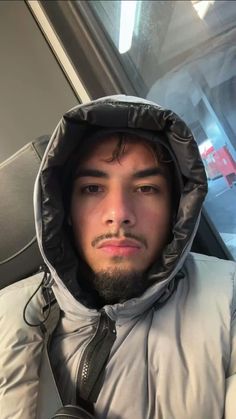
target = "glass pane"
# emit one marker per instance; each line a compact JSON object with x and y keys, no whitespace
{"x":185,"y":54}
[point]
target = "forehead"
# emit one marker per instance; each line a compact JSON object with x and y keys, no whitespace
{"x":139,"y":152}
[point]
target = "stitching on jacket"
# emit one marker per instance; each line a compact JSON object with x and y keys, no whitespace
{"x":233,"y":315}
{"x":233,"y":305}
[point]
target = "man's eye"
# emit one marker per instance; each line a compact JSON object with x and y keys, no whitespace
{"x":91,"y":189}
{"x":148,"y":189}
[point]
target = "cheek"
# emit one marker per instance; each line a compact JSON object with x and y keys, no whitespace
{"x":155,"y":223}
{"x":84,"y":222}
{"x":78,"y":220}
{"x":155,"y":214}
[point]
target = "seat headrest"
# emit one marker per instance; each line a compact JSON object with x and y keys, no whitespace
{"x":19,"y":253}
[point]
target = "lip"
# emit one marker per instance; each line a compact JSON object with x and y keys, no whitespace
{"x":121,"y":247}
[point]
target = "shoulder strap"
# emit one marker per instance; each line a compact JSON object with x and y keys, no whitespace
{"x":49,"y":400}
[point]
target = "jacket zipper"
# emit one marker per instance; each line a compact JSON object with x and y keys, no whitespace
{"x":94,"y":359}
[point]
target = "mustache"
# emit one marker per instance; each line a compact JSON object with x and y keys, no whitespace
{"x":127,"y":235}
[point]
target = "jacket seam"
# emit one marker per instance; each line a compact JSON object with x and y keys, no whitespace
{"x":233,"y":303}
{"x":233,"y":313}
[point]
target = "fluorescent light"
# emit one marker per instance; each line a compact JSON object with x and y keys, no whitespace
{"x":127,"y":21}
{"x":202,"y":6}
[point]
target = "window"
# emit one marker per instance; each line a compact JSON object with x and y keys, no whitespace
{"x":182,"y":55}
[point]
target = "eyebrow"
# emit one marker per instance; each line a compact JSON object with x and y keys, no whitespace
{"x":152,"y":171}
{"x":90,"y":173}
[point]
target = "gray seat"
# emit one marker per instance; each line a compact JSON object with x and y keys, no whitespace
{"x":19,"y":253}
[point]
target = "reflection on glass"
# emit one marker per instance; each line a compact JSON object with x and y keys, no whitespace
{"x":202,"y":7}
{"x":127,"y":20}
{"x":184,"y":53}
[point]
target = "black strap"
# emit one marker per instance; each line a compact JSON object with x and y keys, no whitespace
{"x":72,"y":412}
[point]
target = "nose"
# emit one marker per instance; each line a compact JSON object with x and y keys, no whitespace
{"x":119,"y":210}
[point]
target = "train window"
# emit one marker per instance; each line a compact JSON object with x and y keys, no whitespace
{"x":183,"y":55}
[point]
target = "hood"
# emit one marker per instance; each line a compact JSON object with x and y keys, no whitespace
{"x":116,"y":113}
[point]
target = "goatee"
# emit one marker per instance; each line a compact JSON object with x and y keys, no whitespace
{"x":112,"y":286}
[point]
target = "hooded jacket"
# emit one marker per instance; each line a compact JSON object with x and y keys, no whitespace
{"x":170,"y":353}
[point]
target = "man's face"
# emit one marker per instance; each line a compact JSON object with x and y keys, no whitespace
{"x":120,"y":210}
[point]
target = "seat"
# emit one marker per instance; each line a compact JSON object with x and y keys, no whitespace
{"x":19,"y":252}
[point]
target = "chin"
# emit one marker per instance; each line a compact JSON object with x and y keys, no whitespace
{"x":118,"y":267}
{"x":117,"y":284}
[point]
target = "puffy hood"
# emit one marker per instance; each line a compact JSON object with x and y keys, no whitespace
{"x":116,"y":113}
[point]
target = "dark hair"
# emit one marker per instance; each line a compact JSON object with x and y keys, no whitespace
{"x":161,"y":153}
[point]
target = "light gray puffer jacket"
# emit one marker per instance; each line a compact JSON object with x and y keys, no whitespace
{"x":173,"y":350}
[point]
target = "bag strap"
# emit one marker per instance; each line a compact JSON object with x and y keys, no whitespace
{"x":49,"y":400}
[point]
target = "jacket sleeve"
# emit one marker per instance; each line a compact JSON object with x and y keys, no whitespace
{"x":230,"y":396}
{"x":20,"y":350}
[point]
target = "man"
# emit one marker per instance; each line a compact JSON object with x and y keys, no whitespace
{"x":146,"y":329}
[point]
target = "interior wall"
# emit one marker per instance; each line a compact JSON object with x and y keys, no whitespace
{"x":34,"y":92}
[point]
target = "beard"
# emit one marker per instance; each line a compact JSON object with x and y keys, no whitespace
{"x":111,"y":286}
